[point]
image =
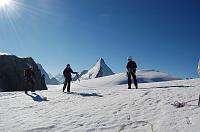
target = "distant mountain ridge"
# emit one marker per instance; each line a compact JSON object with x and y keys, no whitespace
{"x":60,"y":77}
{"x":48,"y":80}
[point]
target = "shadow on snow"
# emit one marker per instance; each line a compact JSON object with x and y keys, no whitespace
{"x":85,"y":94}
{"x":171,"y":86}
{"x":36,"y":97}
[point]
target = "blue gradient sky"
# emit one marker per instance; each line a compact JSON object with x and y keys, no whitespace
{"x":158,"y":34}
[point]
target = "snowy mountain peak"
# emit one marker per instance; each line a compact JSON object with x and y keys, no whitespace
{"x":4,"y":53}
{"x":101,"y":61}
{"x":100,"y":69}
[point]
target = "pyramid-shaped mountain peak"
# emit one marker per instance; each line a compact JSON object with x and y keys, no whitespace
{"x":100,"y":69}
{"x":101,"y":61}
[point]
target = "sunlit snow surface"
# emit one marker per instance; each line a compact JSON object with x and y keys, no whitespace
{"x":103,"y":105}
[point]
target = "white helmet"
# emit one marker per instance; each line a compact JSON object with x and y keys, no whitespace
{"x":129,"y":58}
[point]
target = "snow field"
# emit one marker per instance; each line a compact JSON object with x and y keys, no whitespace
{"x":94,"y":106}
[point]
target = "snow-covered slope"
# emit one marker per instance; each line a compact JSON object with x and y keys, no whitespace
{"x":104,"y":107}
{"x":100,"y":69}
{"x":50,"y":75}
{"x":143,"y":76}
{"x":48,"y":80}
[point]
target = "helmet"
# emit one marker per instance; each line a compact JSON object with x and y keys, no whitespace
{"x":68,"y":65}
{"x":129,"y":58}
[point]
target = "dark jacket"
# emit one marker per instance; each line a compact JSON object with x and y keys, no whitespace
{"x":67,"y":73}
{"x":131,"y":65}
{"x":29,"y":73}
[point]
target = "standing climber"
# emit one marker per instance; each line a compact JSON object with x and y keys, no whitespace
{"x":131,"y":67}
{"x":29,"y":79}
{"x":68,"y":77}
{"x":199,"y":76}
{"x":199,"y":68}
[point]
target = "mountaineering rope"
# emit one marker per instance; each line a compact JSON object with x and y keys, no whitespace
{"x":182,"y":104}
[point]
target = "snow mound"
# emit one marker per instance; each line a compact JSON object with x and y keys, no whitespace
{"x":143,"y":76}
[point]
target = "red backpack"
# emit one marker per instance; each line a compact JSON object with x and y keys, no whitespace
{"x":27,"y":72}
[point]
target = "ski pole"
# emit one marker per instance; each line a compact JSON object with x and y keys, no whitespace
{"x":199,"y":101}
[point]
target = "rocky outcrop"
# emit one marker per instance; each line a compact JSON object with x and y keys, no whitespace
{"x":12,"y":74}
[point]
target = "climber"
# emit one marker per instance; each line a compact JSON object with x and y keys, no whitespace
{"x":131,"y":67}
{"x":68,"y":77}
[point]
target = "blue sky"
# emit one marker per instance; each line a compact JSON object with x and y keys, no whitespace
{"x":158,"y":34}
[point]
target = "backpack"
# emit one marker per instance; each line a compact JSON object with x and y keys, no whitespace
{"x":27,"y":72}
